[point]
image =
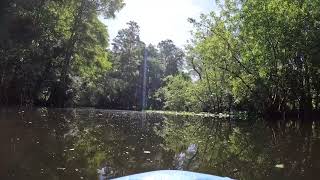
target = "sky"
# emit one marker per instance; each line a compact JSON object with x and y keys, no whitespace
{"x":160,"y":19}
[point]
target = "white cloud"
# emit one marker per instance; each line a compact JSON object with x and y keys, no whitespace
{"x":160,"y":19}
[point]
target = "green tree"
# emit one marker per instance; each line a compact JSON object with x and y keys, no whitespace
{"x":46,"y":45}
{"x":284,"y":39}
{"x":171,"y":56}
{"x":178,"y":94}
{"x":125,"y":80}
{"x":257,"y":55}
{"x":85,"y":41}
{"x":155,"y":75}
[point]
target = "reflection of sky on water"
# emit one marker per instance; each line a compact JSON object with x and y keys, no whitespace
{"x":185,"y":158}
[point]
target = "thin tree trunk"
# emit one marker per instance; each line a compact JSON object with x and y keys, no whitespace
{"x":70,"y":48}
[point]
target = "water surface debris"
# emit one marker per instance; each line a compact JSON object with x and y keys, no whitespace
{"x":280,"y":166}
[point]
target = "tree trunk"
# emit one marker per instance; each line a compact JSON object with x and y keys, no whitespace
{"x":308,"y":100}
{"x":70,"y":47}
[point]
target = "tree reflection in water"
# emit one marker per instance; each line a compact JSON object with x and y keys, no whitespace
{"x":117,"y":144}
{"x":253,"y":150}
{"x":85,"y":144}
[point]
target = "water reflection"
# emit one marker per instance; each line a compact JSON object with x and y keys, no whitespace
{"x":284,"y":150}
{"x":95,"y":144}
{"x":185,"y":158}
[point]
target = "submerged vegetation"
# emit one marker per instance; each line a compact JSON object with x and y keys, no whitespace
{"x":252,"y":55}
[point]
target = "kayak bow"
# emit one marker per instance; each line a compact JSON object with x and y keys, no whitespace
{"x":172,"y":174}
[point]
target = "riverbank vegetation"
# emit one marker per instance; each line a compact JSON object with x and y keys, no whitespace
{"x":255,"y":55}
{"x":48,"y":46}
{"x":57,"y":54}
{"x":251,"y":55}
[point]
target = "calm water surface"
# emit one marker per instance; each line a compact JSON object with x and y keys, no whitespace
{"x":69,"y":144}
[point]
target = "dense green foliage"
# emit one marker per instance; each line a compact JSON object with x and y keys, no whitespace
{"x":55,"y":53}
{"x":48,"y":46}
{"x":256,"y":55}
{"x":121,"y":88}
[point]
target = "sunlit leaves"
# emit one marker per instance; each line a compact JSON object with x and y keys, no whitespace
{"x":253,"y":48}
{"x":52,"y":46}
{"x":179,"y":94}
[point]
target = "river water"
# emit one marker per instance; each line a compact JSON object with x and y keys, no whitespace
{"x":70,"y":144}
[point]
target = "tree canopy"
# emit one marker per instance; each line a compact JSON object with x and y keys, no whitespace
{"x":46,"y":46}
{"x":256,"y":55}
{"x":253,"y":55}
